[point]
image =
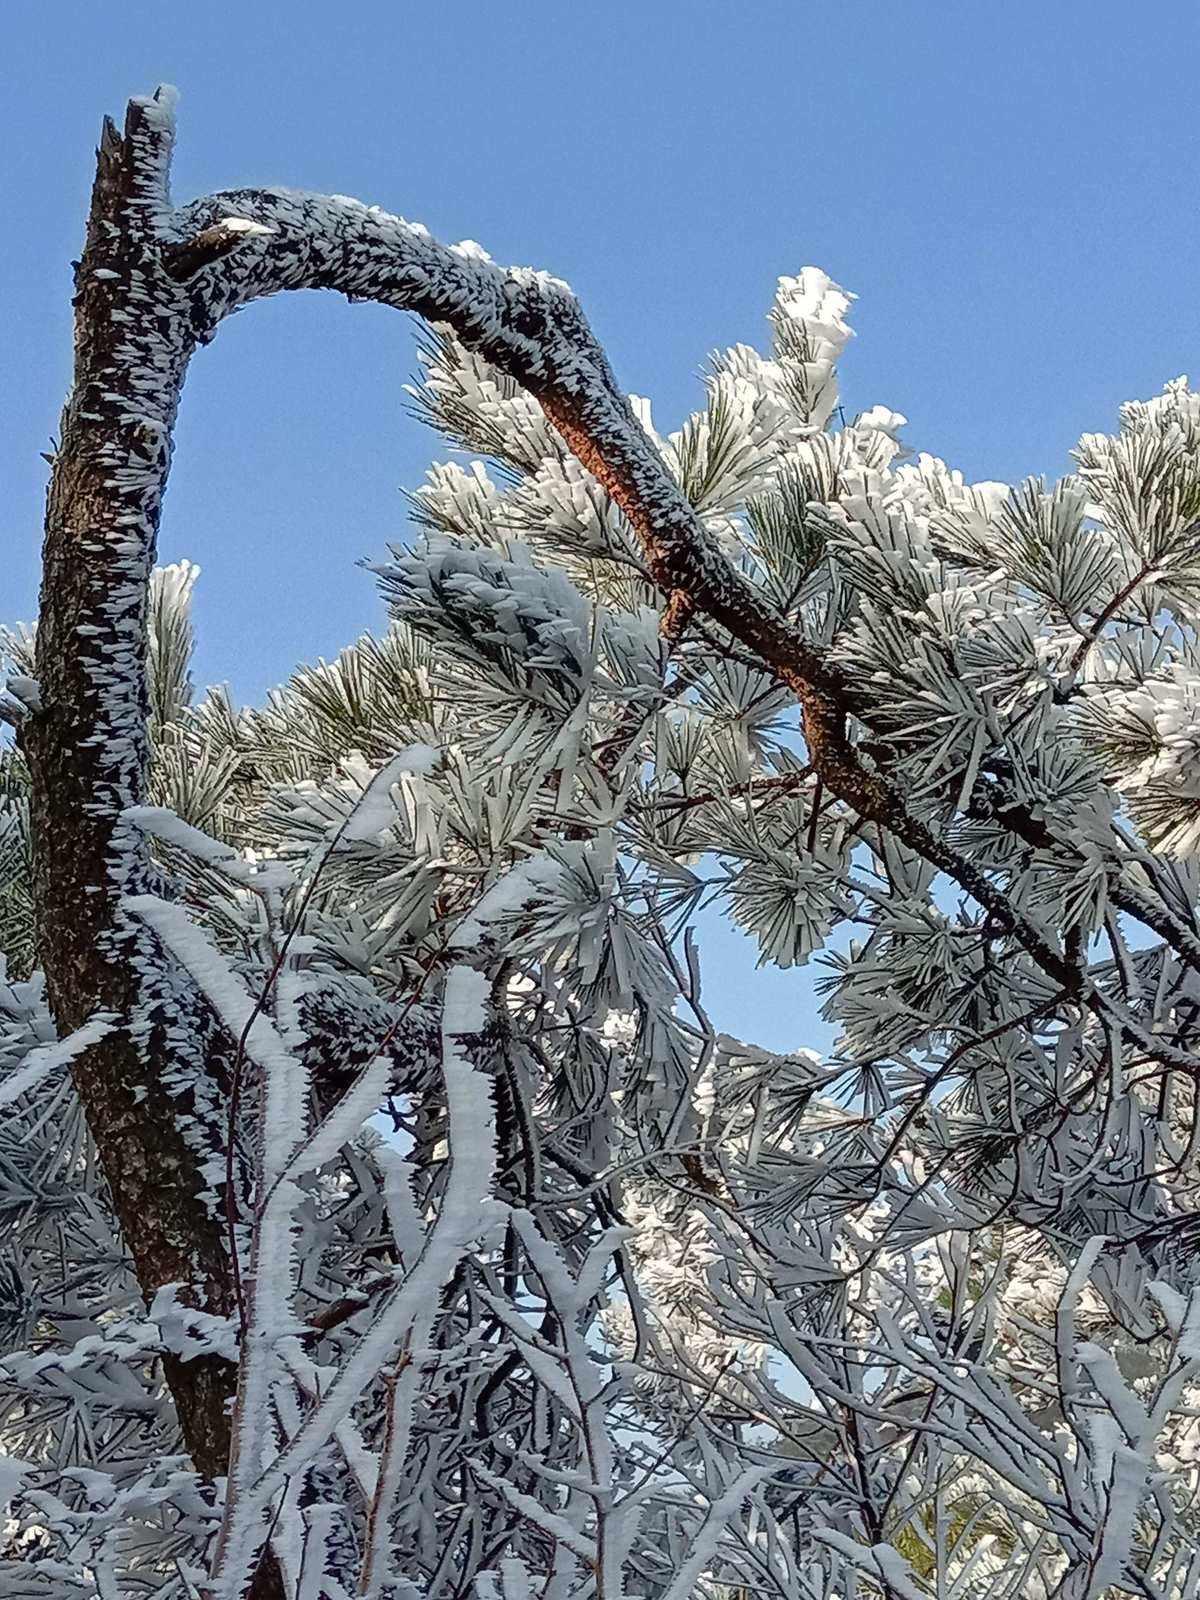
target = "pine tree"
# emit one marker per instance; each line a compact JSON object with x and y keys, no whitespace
{"x":383,"y":1211}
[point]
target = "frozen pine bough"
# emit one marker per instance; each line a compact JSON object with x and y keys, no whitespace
{"x":536,"y":1282}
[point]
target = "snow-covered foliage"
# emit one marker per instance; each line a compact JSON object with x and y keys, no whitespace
{"x":546,"y":1285}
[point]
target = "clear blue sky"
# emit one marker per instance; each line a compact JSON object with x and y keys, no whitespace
{"x":1011,"y":189}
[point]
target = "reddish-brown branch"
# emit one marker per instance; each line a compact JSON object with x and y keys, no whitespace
{"x":679,"y":559}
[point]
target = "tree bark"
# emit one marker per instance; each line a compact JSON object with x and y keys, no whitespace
{"x":87,"y":753}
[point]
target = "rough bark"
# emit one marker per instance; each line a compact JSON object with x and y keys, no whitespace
{"x":87,"y":747}
{"x":146,"y":1094}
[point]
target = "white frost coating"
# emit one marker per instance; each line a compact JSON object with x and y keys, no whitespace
{"x":374,"y":811}
{"x":1173,"y":1305}
{"x":25,"y":689}
{"x":187,"y":1332}
{"x":558,"y":1528}
{"x":708,"y":1536}
{"x":882,"y":420}
{"x":345,"y":1120}
{"x":403,"y":1216}
{"x":283,"y":1101}
{"x":882,"y":1561}
{"x":48,"y":1058}
{"x":161,"y":823}
{"x":217,"y":981}
{"x":284,"y":1074}
{"x":465,"y":1005}
{"x":160,"y":107}
{"x":513,"y":892}
{"x":244,"y":225}
{"x":813,"y":299}
{"x":466,"y":1212}
{"x":470,"y":250}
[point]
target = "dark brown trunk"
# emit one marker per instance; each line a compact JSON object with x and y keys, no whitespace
{"x":88,"y":758}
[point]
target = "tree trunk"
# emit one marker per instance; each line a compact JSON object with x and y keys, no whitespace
{"x":87,"y":753}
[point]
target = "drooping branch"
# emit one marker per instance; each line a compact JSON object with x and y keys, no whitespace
{"x":531,"y":327}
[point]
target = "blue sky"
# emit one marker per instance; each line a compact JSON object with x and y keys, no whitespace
{"x":1011,"y":190}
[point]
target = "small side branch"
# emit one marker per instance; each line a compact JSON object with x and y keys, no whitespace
{"x":185,"y":260}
